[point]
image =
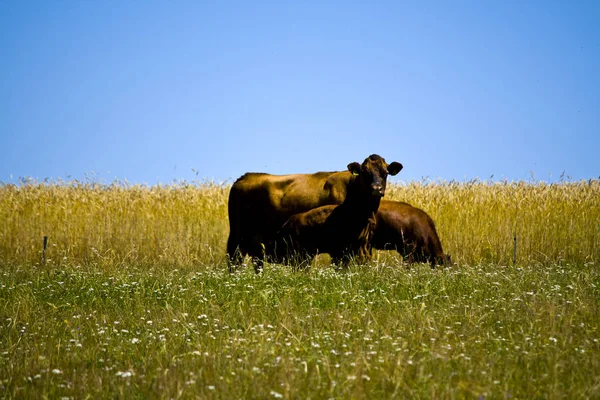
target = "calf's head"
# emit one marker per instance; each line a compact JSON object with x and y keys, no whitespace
{"x":371,"y":175}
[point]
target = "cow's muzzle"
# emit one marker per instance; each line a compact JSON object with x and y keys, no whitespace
{"x":378,"y":190}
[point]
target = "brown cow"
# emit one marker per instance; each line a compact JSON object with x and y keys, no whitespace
{"x":343,"y":231}
{"x":259,"y":204}
{"x":411,"y":232}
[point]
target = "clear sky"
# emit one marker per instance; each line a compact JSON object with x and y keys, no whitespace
{"x":152,"y":91}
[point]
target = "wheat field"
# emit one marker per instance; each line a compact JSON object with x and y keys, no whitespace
{"x":186,"y":223}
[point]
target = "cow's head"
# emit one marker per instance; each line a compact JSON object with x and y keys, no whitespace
{"x":373,"y":172}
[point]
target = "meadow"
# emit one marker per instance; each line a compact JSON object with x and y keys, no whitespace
{"x":132,"y":299}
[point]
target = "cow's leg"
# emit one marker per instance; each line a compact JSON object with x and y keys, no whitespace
{"x":433,"y":260}
{"x":409,"y":259}
{"x":256,"y":251}
{"x":429,"y":253}
{"x":422,"y":256}
{"x":259,"y":263}
{"x":364,"y":255}
{"x":235,"y":254}
{"x":411,"y":254}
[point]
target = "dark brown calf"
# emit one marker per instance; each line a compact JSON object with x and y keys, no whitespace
{"x":411,"y":232}
{"x":342,"y":231}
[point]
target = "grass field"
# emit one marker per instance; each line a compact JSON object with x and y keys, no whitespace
{"x":134,"y":301}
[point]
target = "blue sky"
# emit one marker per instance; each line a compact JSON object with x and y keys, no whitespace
{"x":161,"y":90}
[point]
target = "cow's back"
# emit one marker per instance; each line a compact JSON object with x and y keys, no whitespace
{"x":303,"y":192}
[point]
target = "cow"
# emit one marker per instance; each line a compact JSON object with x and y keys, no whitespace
{"x":259,"y":205}
{"x":343,"y":231}
{"x":410,"y":231}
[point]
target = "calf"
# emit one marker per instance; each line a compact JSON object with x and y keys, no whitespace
{"x":411,"y":232}
{"x":343,"y":231}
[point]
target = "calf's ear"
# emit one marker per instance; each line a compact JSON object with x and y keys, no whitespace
{"x":354,"y":168}
{"x":394,"y":168}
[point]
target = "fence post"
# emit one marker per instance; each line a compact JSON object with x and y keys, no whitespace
{"x":515,"y":250}
{"x":44,"y":250}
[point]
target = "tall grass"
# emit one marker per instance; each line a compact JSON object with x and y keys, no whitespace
{"x":477,"y":221}
{"x":117,"y":223}
{"x":183,"y":223}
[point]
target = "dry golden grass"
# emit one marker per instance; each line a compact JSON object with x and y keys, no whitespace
{"x":186,"y":224}
{"x":119,"y":223}
{"x":477,"y":221}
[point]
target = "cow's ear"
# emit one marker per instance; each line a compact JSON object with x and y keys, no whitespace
{"x":354,"y":168}
{"x":394,"y":168}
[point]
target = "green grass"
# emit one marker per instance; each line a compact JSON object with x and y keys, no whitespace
{"x":154,"y":331}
